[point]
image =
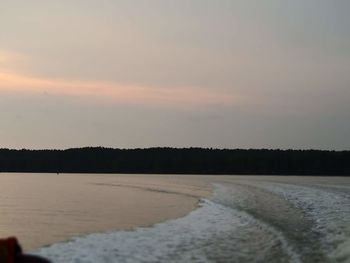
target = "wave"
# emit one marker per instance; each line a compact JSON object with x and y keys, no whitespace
{"x":243,"y":222}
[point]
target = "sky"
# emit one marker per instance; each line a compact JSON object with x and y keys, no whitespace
{"x":184,"y":73}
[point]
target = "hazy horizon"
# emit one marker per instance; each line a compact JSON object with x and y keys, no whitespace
{"x":220,"y":74}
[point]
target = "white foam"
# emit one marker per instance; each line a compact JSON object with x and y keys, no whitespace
{"x":329,"y":209}
{"x":212,"y":233}
{"x":216,"y":233}
{"x":156,"y":244}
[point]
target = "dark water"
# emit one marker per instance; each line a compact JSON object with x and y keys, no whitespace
{"x":254,"y":219}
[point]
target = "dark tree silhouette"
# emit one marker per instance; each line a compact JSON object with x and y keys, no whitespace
{"x":177,"y":161}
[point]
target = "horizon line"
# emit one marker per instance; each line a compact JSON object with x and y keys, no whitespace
{"x":175,"y":148}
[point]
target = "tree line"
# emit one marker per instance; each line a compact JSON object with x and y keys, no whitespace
{"x":177,"y":161}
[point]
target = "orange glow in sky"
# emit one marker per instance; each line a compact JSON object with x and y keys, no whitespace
{"x":173,"y":97}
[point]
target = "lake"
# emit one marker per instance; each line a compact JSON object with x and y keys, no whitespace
{"x":92,"y":218}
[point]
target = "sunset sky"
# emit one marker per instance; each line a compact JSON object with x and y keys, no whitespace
{"x":180,"y":73}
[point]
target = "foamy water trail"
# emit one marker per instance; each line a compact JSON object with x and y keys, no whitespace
{"x":243,"y":222}
{"x":329,"y":209}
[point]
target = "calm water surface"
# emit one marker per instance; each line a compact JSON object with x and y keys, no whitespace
{"x":44,"y":208}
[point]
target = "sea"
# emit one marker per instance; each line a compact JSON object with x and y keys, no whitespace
{"x":247,"y":219}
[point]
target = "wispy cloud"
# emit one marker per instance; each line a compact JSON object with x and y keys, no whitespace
{"x":14,"y":80}
{"x":114,"y":92}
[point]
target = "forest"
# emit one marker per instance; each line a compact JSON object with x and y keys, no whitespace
{"x":177,"y":161}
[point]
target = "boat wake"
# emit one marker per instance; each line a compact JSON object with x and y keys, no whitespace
{"x":243,"y":222}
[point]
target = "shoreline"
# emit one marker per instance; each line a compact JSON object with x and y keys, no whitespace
{"x":65,"y":206}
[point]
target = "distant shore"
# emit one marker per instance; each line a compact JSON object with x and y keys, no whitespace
{"x":177,"y":161}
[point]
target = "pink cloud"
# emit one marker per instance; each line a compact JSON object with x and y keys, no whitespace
{"x":114,"y":92}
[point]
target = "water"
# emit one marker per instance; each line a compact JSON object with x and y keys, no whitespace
{"x":41,"y":209}
{"x":248,"y":219}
